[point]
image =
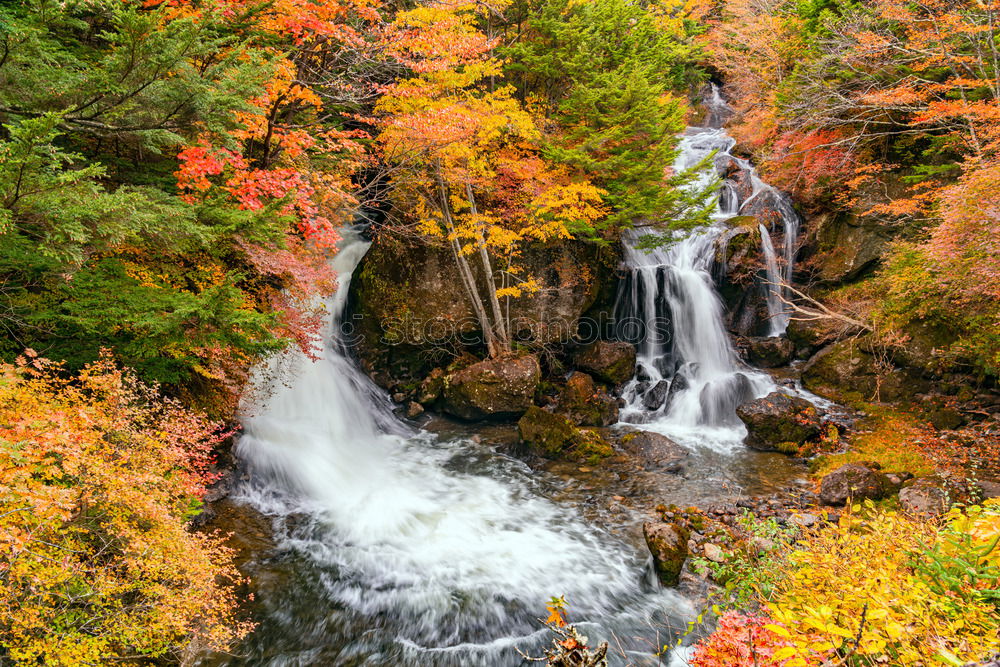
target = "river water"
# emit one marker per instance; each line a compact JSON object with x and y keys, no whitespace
{"x":388,"y":544}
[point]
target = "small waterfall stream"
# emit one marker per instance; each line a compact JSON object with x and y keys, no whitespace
{"x":689,"y":380}
{"x":777,"y":319}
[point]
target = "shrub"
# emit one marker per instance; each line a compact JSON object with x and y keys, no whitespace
{"x":98,"y":475}
{"x":862,"y":589}
{"x":740,"y":640}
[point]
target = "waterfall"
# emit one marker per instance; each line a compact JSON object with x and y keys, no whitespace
{"x":777,"y":319}
{"x":778,"y":281}
{"x":419,"y":551}
{"x":763,"y":201}
{"x":689,"y":381}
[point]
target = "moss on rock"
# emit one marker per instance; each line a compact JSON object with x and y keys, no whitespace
{"x":609,"y":361}
{"x":555,"y":436}
{"x":585,"y":403}
{"x":493,"y":389}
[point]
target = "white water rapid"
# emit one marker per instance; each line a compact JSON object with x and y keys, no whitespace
{"x":689,"y":379}
{"x":417,"y":551}
{"x":388,"y":545}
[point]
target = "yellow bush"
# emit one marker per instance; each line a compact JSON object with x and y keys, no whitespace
{"x":97,"y":565}
{"x":862,"y":590}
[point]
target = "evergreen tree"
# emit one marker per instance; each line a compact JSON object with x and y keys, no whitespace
{"x":604,"y":73}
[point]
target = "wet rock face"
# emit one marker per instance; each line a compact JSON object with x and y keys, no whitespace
{"x":925,"y":496}
{"x":846,"y":370}
{"x":609,"y":361}
{"x":407,"y":291}
{"x":585,"y":403}
{"x":492,"y":389}
{"x":656,"y":396}
{"x":668,"y":544}
{"x":555,"y":436}
{"x":853,"y":481}
{"x":655,"y":451}
{"x":678,"y":384}
{"x":767,"y":352}
{"x":738,"y":265}
{"x":779,"y":422}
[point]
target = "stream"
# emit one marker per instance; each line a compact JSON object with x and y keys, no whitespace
{"x":383,"y":542}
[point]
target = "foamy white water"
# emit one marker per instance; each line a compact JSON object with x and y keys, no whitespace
{"x":671,"y":295}
{"x":436,"y":561}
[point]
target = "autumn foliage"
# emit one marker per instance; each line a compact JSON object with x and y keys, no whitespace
{"x":740,"y":640}
{"x":876,"y":588}
{"x":468,"y":160}
{"x":99,"y":475}
{"x":889,"y":109}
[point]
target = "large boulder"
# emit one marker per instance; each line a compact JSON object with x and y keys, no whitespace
{"x":768,"y":352}
{"x":668,"y":542}
{"x":846,"y":246}
{"x":779,"y":422}
{"x":609,"y":361}
{"x":925,"y":496}
{"x":841,"y":369}
{"x":500,"y":388}
{"x":585,"y":403}
{"x":654,"y":451}
{"x":555,"y":436}
{"x":809,"y":336}
{"x":405,"y":304}
{"x":853,"y":481}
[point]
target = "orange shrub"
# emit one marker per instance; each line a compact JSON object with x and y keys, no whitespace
{"x":98,"y":475}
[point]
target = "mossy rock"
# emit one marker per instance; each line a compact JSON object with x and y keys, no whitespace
{"x":500,"y":388}
{"x":609,"y":361}
{"x":845,"y":372}
{"x":779,"y":422}
{"x":854,"y":481}
{"x":432,"y":387}
{"x":654,"y":451}
{"x":668,"y":544}
{"x":585,"y":403}
{"x":554,"y":436}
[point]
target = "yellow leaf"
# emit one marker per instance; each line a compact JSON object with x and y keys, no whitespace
{"x":784,"y":653}
{"x":779,"y":630}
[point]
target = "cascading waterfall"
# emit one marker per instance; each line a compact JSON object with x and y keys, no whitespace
{"x":689,"y":380}
{"x":421,"y":551}
{"x":777,"y":319}
{"x":763,"y":201}
{"x":397,"y":547}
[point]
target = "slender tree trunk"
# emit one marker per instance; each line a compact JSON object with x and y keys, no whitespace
{"x":499,"y":321}
{"x":465,"y":271}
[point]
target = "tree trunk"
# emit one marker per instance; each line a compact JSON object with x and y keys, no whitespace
{"x":465,"y":271}
{"x":499,"y":321}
